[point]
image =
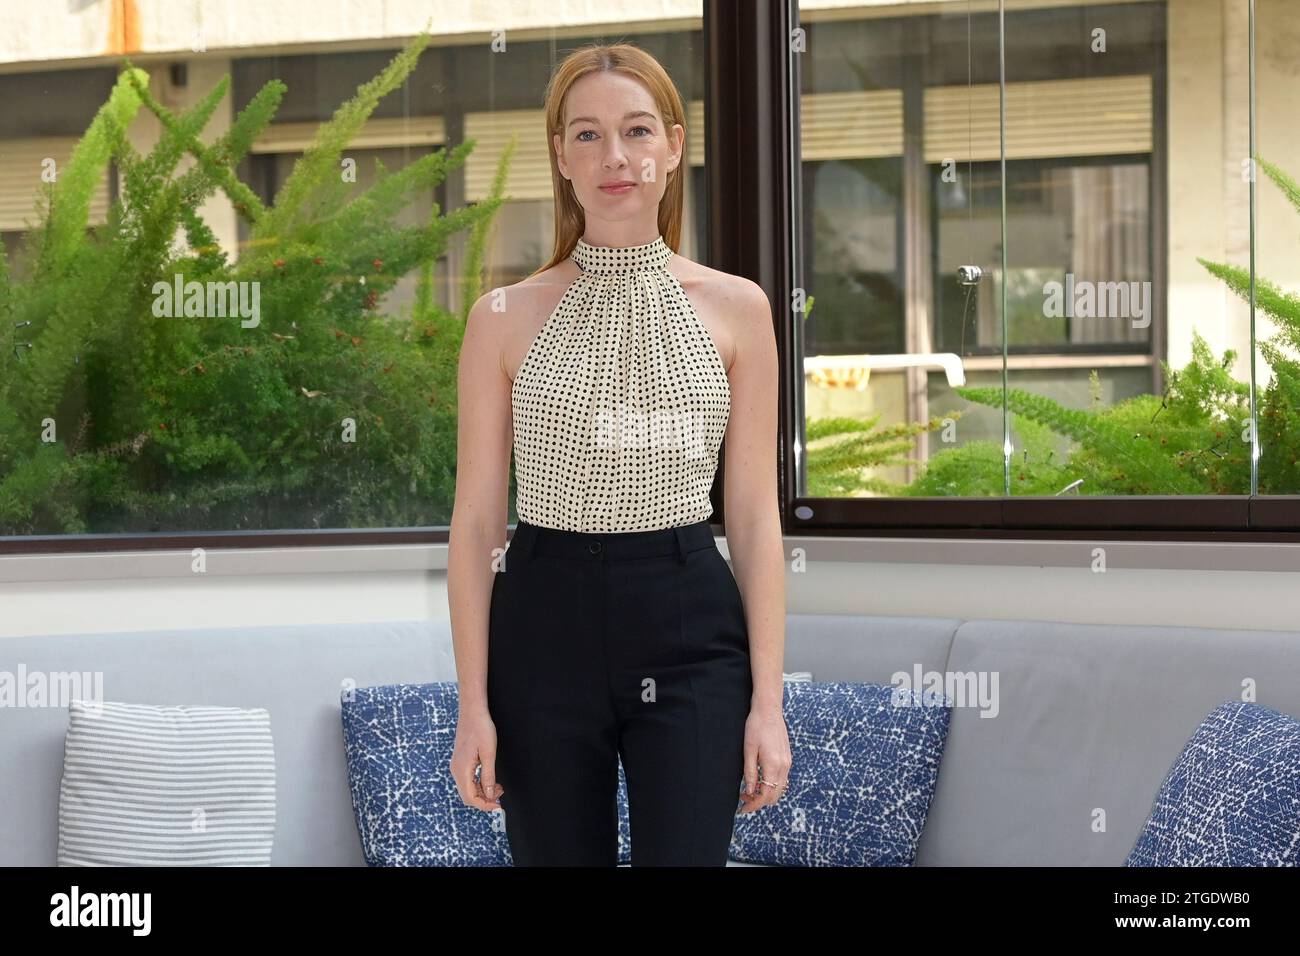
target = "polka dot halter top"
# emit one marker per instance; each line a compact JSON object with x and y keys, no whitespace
{"x":621,"y":401}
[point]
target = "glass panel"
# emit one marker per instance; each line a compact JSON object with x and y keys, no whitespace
{"x":336,"y":407}
{"x":1084,"y":123}
{"x":894,"y":203}
{"x":1120,"y":354}
{"x":1277,"y":249}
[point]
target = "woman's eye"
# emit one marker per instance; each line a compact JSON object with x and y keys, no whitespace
{"x":644,"y":129}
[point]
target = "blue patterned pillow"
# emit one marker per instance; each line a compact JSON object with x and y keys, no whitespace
{"x":399,"y":740}
{"x":1232,"y":798}
{"x":866,"y":760}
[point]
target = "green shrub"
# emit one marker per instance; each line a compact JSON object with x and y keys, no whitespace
{"x":113,"y":419}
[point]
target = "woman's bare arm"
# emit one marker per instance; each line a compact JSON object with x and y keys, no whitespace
{"x":484,"y":435}
{"x":753,"y":517}
{"x":750,"y":505}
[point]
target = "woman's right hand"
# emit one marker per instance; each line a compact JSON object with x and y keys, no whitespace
{"x":476,"y":745}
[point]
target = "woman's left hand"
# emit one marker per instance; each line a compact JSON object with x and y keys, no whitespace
{"x":767,"y":750}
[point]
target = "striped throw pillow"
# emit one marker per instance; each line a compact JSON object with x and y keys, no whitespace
{"x":149,"y":785}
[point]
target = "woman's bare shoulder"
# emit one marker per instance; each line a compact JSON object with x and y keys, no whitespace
{"x":518,"y":297}
{"x":731,"y":297}
{"x":714,"y":280}
{"x":521,"y":308}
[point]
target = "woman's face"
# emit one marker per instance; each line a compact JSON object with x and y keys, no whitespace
{"x":614,"y":148}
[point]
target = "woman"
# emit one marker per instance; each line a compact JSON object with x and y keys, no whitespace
{"x":614,"y":627}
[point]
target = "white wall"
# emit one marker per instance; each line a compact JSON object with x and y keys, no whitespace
{"x":1180,"y":584}
{"x":36,"y":31}
{"x":1209,"y":201}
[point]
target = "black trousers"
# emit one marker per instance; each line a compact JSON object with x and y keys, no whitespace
{"x":609,"y":645}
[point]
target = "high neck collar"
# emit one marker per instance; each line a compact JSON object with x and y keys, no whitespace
{"x":617,"y":260}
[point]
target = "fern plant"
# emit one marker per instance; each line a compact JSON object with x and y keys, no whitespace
{"x":1279,"y":404}
{"x":333,"y":411}
{"x":844,"y":452}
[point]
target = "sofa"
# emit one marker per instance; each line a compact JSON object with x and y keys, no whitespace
{"x":1085,"y":723}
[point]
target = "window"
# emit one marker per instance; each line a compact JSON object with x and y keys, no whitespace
{"x":1021,"y":284}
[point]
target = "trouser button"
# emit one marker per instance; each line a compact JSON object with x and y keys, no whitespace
{"x":594,"y":547}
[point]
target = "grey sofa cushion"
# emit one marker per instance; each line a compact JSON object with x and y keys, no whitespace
{"x":1090,"y":718}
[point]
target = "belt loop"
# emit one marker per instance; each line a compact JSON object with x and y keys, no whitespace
{"x":680,"y":535}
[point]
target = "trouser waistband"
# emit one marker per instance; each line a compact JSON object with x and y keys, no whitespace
{"x":612,"y":545}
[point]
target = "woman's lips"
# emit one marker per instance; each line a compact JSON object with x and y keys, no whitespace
{"x":618,"y":189}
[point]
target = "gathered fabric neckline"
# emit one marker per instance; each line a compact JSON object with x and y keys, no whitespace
{"x":651,"y":256}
